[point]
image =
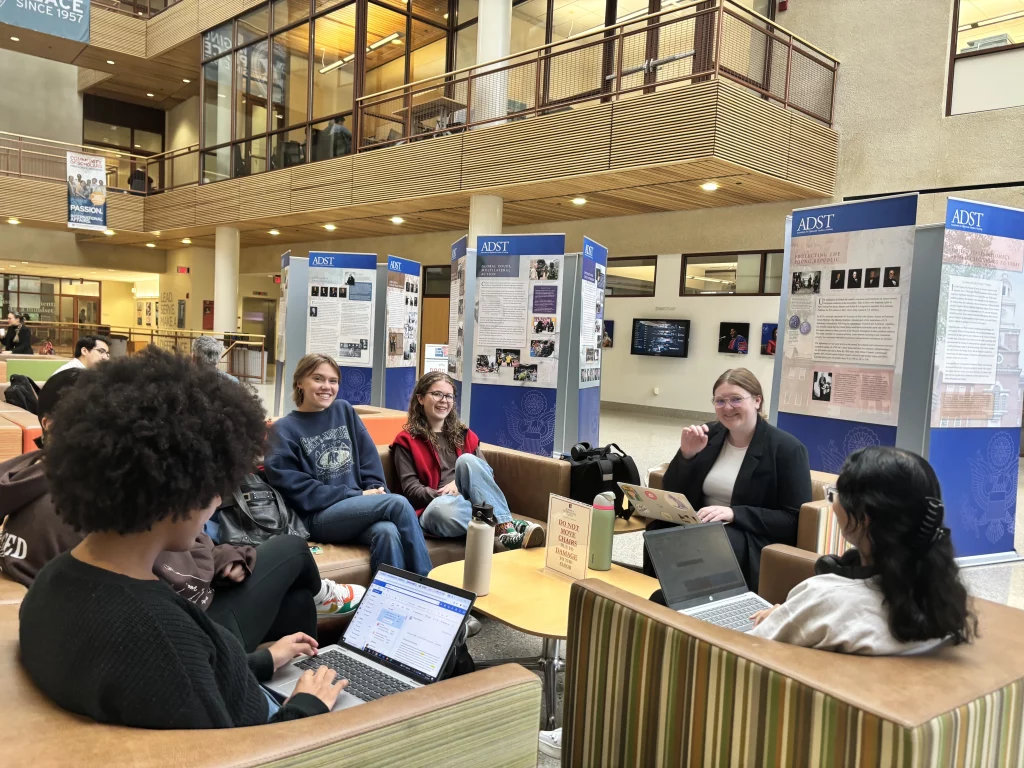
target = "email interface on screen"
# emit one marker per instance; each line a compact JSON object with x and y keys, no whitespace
{"x":409,"y":625}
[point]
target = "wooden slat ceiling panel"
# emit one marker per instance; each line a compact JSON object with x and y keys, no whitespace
{"x":667,"y":127}
{"x":173,"y":27}
{"x":752,"y":132}
{"x":215,"y":12}
{"x":422,"y":168}
{"x":36,"y":43}
{"x":117,"y":33}
{"x":88,"y":78}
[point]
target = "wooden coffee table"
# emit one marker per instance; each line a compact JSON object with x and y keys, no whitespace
{"x":526,"y":598}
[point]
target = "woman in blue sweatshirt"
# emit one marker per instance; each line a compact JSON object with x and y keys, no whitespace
{"x":326,"y":466}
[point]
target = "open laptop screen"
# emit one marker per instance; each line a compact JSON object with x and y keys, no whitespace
{"x":694,"y":562}
{"x":409,"y":625}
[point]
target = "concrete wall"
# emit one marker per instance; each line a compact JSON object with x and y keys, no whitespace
{"x":182,"y":130}
{"x":117,"y":305}
{"x":39,"y":98}
{"x":50,"y":246}
{"x":194,"y":287}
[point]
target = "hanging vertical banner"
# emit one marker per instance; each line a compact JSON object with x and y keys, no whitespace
{"x":87,"y":191}
{"x":67,"y":18}
{"x":403,"y":329}
{"x":457,"y":308}
{"x":977,"y":386}
{"x":845,"y":329}
{"x":516,"y":340}
{"x":594,"y":262}
{"x":340,"y":317}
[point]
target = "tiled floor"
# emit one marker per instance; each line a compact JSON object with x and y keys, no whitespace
{"x":651,"y":440}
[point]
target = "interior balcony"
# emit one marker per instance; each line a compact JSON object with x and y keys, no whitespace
{"x":701,"y":105}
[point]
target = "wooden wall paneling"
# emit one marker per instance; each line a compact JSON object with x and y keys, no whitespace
{"x":170,"y":210}
{"x":218,"y":203}
{"x":813,"y":154}
{"x":215,"y":12}
{"x":325,"y":184}
{"x":669,"y":127}
{"x":34,"y":200}
{"x":173,"y":27}
{"x":553,"y":146}
{"x":117,"y":33}
{"x":265,"y":194}
{"x":124,"y":212}
{"x":751,"y":131}
{"x":89,"y":78}
{"x":420,"y":168}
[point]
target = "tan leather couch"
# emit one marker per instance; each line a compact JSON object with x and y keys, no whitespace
{"x":817,"y":529}
{"x":648,"y":686}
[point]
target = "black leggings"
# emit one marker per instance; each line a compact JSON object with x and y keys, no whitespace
{"x":276,"y":600}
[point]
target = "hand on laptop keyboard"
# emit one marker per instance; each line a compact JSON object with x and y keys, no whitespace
{"x":364,"y":681}
{"x":732,"y":615}
{"x":321,"y":683}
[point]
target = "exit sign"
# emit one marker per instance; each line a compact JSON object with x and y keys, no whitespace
{"x":183,"y":270}
{"x":277,"y":279}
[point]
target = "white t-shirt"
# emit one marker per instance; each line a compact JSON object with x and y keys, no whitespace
{"x":719,"y":483}
{"x":833,"y":613}
{"x":76,"y":363}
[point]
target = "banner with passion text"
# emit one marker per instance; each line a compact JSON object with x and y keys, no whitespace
{"x":87,"y":192}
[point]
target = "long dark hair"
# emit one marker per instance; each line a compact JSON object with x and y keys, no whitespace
{"x":897,"y":495}
{"x":453,"y":432}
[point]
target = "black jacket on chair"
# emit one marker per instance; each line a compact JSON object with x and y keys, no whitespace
{"x":773,"y":482}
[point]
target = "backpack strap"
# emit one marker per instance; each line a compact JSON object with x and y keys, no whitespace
{"x":243,"y":505}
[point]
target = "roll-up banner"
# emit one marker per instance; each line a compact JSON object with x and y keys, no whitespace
{"x":403,"y":331}
{"x":594,"y":263}
{"x":457,"y":321}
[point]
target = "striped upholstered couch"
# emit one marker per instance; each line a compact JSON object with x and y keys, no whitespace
{"x":646,"y":686}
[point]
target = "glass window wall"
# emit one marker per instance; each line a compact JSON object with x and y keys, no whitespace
{"x":334,"y":45}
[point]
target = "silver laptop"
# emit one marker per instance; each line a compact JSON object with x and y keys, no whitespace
{"x":660,"y":505}
{"x":400,"y":637}
{"x":700,"y":576}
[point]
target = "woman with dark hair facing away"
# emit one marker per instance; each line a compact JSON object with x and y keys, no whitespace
{"x":138,"y":457}
{"x":742,"y":471}
{"x":17,"y":338}
{"x":898,"y":591}
{"x":323,"y":461}
{"x":441,"y":470}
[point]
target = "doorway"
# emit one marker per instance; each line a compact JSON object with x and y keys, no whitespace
{"x":259,"y":316}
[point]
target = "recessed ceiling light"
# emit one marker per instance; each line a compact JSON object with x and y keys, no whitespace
{"x":446,"y":17}
{"x":24,"y":262}
{"x":579,"y":201}
{"x":150,"y":95}
{"x":156,"y":232}
{"x":397,"y":220}
{"x":110,"y":62}
{"x":185,"y":80}
{"x":14,"y":221}
{"x":108,"y":232}
{"x":16,"y":39}
{"x":709,"y":186}
{"x":274,"y":232}
{"x":187,"y":240}
{"x":330,"y":227}
{"x":151,"y":245}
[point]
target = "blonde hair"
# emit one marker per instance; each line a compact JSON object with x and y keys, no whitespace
{"x":745,"y":380}
{"x":305,"y":368}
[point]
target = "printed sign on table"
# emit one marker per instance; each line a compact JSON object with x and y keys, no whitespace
{"x":568,"y":539}
{"x":87,"y":191}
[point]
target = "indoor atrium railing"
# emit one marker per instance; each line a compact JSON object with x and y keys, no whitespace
{"x":146,"y":9}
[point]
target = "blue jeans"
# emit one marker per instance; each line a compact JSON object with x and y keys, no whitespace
{"x":449,"y":516}
{"x":386,"y":523}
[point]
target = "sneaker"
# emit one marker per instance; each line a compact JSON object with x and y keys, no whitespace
{"x":532,"y":534}
{"x":338,"y":599}
{"x":551,"y":743}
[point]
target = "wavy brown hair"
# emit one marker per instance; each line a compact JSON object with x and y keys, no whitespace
{"x":453,"y":432}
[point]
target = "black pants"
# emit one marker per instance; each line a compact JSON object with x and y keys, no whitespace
{"x":276,"y":600}
{"x":748,"y":554}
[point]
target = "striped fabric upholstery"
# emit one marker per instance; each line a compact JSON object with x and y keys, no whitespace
{"x":642,"y":693}
{"x":830,"y":536}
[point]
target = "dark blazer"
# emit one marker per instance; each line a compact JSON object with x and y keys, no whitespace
{"x":773,"y":482}
{"x":24,"y":344}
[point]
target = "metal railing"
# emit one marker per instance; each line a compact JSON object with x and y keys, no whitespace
{"x":245,"y":356}
{"x":145,"y":9}
{"x":686,"y":43}
{"x":29,"y":157}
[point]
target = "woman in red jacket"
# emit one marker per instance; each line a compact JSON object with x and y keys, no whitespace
{"x":442,"y":473}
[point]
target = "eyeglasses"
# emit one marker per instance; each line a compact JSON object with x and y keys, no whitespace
{"x":439,"y":396}
{"x":721,"y":402}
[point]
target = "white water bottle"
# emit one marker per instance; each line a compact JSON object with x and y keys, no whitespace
{"x":476,"y":573}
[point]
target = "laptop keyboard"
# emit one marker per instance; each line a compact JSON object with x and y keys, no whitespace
{"x":364,"y":681}
{"x":733,"y":615}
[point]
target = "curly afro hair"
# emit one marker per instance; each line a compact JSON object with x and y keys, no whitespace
{"x":147,"y":437}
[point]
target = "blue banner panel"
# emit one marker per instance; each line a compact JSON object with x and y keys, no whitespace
{"x":459,"y":248}
{"x":589,"y":416}
{"x":522,"y":418}
{"x":61,"y":18}
{"x":355,"y":385}
{"x":849,"y":217}
{"x":406,"y":267}
{"x":398,"y":386}
{"x":595,"y":251}
{"x":458,"y":400}
{"x":977,"y":468}
{"x":520,"y":245}
{"x":343,"y":260}
{"x":830,"y":441}
{"x":969,"y":216}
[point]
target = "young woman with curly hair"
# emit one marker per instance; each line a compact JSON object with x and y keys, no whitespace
{"x":137,"y":458}
{"x":442,"y":472}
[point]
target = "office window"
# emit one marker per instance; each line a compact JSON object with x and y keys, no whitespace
{"x":217,"y":101}
{"x":334,"y":44}
{"x":218,"y":41}
{"x":631,"y":276}
{"x":429,"y":47}
{"x":431,"y":10}
{"x":437,"y":282}
{"x":986,"y":25}
{"x":466,"y":11}
{"x":332,"y":138}
{"x":289,"y":11}
{"x":252,"y":25}
{"x":290,"y":73}
{"x":987,"y":56}
{"x":288,"y":148}
{"x":216,"y":165}
{"x":386,"y":46}
{"x":722,"y":274}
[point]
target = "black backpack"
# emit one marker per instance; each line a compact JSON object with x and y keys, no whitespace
{"x":257,"y":514}
{"x":24,"y":393}
{"x":600,"y":469}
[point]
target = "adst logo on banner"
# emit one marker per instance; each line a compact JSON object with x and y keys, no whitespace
{"x":815,"y":223}
{"x":87,"y":191}
{"x":61,"y":18}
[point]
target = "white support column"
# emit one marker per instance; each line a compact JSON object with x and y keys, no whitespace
{"x":485,"y":213}
{"x":225,"y":280}
{"x":493,"y":41}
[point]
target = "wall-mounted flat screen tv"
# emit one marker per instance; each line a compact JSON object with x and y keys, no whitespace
{"x":660,"y":337}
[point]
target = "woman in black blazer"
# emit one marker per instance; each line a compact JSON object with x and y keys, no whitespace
{"x":741,"y":471}
{"x":18,"y":338}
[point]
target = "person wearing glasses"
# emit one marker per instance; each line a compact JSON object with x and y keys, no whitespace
{"x":89,"y":351}
{"x":324,"y":463}
{"x":442,"y":472}
{"x":742,"y":471}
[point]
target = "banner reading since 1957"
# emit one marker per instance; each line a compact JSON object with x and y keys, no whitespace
{"x":87,"y":191}
{"x":61,"y":18}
